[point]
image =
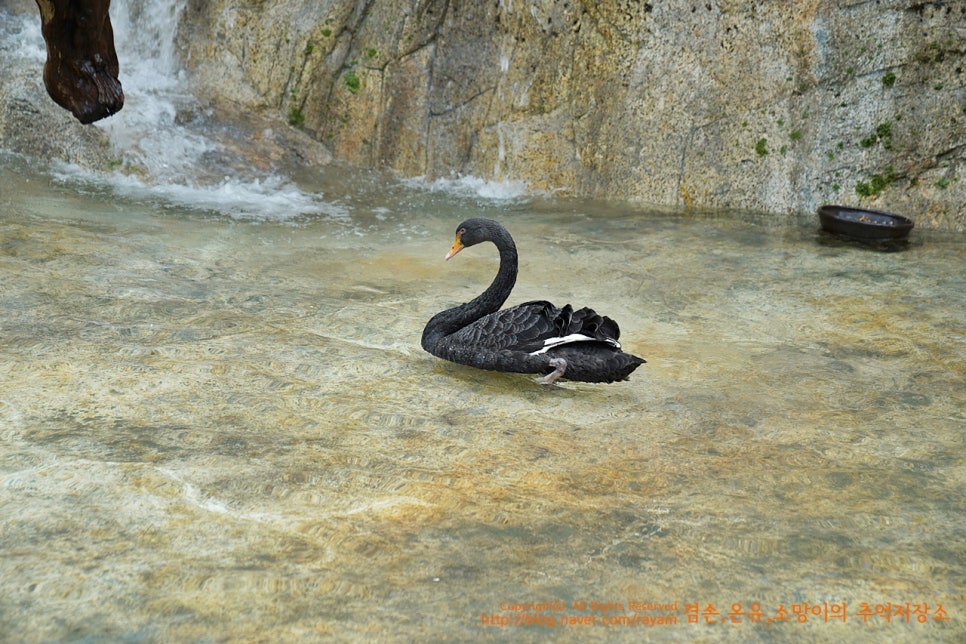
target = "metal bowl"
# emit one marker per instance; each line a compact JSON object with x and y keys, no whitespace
{"x":866,"y":225}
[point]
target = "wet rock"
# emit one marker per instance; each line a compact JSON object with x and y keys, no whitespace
{"x":780,"y":107}
{"x":33,"y":125}
{"x":82,"y":68}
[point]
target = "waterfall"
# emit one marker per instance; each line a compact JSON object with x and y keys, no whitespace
{"x":163,"y":136}
{"x":146,"y":134}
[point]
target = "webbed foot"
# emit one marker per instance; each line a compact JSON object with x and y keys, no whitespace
{"x":559,"y":367}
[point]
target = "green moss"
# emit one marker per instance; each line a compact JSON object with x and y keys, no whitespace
{"x":931,"y":54}
{"x":876,"y":184}
{"x":352,"y":81}
{"x":761,"y":147}
{"x":309,"y":48}
{"x":371,"y":53}
{"x":889,"y":79}
{"x":942,"y":183}
{"x":796,"y":135}
{"x":326,"y":32}
{"x":882,"y":134}
{"x":295,"y":117}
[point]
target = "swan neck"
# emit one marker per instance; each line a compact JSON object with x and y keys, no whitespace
{"x":489,"y":301}
{"x":499,"y":289}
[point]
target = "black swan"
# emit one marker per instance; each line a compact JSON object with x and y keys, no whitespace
{"x":534,"y":337}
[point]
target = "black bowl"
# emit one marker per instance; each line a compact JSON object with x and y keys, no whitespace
{"x":867,"y":225}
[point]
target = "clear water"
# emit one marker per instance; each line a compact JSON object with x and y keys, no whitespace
{"x":217,"y":424}
{"x":225,"y":428}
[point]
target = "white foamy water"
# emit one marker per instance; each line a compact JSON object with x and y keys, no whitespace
{"x":271,"y":198}
{"x":20,"y":37}
{"x":474,"y":187}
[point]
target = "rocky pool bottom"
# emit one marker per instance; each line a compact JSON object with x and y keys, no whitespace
{"x":223,"y":429}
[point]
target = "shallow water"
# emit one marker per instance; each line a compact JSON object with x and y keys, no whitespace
{"x":218,"y":428}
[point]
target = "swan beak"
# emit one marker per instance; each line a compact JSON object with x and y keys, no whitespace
{"x":457,"y":247}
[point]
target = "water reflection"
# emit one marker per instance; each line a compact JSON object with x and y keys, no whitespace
{"x":223,"y":427}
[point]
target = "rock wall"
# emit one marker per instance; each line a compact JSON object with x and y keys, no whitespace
{"x":762,"y":104}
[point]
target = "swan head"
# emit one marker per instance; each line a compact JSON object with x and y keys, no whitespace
{"x":473,"y":231}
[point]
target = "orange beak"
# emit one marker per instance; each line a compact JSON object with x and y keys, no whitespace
{"x":457,"y":247}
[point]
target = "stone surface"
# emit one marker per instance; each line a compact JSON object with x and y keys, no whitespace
{"x":29,"y":119}
{"x":751,"y":105}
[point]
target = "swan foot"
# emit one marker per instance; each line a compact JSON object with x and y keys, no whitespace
{"x":559,"y":367}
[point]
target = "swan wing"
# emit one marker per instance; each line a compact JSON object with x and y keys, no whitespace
{"x":536,"y":327}
{"x":582,"y":325}
{"x":508,"y":329}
